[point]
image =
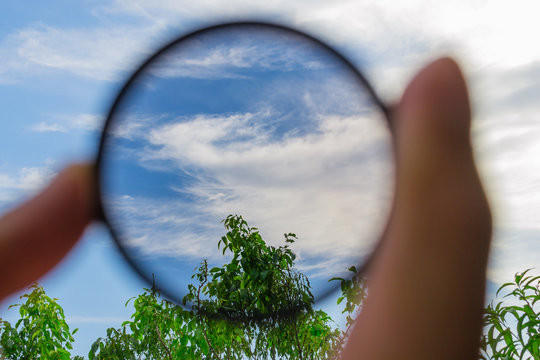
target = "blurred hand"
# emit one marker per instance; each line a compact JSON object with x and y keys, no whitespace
{"x":37,"y":235}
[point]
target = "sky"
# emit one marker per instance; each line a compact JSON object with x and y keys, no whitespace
{"x":63,"y":62}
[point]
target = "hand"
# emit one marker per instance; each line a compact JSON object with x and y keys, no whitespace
{"x":37,"y":235}
{"x":426,"y":286}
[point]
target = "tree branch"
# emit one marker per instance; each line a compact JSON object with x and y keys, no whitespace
{"x":297,"y":340}
{"x":162,"y":342}
{"x":209,"y":344}
{"x":199,"y":310}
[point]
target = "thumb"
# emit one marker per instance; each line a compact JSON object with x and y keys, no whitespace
{"x":432,"y":129}
{"x":438,"y":188}
{"x":426,"y":283}
{"x":38,"y":234}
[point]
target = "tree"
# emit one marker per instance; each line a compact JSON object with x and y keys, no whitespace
{"x":512,"y":326}
{"x":41,"y":332}
{"x":354,"y":292}
{"x":240,"y":311}
{"x":257,"y":306}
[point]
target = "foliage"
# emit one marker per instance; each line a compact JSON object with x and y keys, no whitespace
{"x":512,"y":326}
{"x":238,"y":310}
{"x":259,"y":281}
{"x":157,"y":330}
{"x":241,"y":311}
{"x":354,"y":292}
{"x":41,"y":332}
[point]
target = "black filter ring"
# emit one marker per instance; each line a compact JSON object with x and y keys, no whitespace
{"x":102,"y":213}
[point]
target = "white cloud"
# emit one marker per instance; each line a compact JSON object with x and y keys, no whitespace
{"x":96,"y":53}
{"x":494,"y":41}
{"x":165,"y":227}
{"x":230,"y":54}
{"x":513,"y":251}
{"x":47,"y":127}
{"x":23,"y":182}
{"x":85,"y":122}
{"x":132,"y":126}
{"x":32,"y":178}
{"x":331,"y":187}
{"x":391,"y":37}
{"x":506,"y":133}
{"x":510,"y":157}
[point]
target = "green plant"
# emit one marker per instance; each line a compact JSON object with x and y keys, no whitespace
{"x":258,"y":281}
{"x":354,"y":292}
{"x":41,"y":332}
{"x":249,"y":293}
{"x":512,"y":326}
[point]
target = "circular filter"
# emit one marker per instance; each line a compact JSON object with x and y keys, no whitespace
{"x":243,"y":166}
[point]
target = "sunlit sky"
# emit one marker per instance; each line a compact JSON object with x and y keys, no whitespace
{"x":62,"y":62}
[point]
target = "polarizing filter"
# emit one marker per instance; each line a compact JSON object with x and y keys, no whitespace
{"x":228,"y":138}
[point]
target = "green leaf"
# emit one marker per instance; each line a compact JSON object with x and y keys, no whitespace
{"x":519,"y":276}
{"x":64,"y":355}
{"x":93,"y":349}
{"x":502,"y":287}
{"x":535,"y":278}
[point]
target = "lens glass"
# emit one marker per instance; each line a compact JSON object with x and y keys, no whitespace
{"x":255,"y":121}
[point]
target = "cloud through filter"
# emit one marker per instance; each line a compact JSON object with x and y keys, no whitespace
{"x":281,"y":52}
{"x":292,"y":142}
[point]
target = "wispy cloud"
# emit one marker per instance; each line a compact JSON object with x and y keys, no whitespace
{"x":95,"y":53}
{"x":308,"y":154}
{"x":47,"y":127}
{"x":329,"y":186}
{"x":24,"y":181}
{"x":506,"y":134}
{"x":103,"y":52}
{"x":391,"y":40}
{"x":86,"y":121}
{"x":64,"y":123}
{"x":228,"y":54}
{"x":514,"y":250}
{"x":134,"y":126}
{"x":509,"y":155}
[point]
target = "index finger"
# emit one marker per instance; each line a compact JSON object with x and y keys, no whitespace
{"x":36,"y":236}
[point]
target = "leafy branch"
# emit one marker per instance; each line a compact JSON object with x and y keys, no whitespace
{"x":512,"y":325}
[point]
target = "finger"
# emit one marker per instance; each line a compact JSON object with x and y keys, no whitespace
{"x":426,"y":285}
{"x":38,"y":234}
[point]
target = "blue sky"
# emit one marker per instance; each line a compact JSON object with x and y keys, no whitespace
{"x":61,"y":62}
